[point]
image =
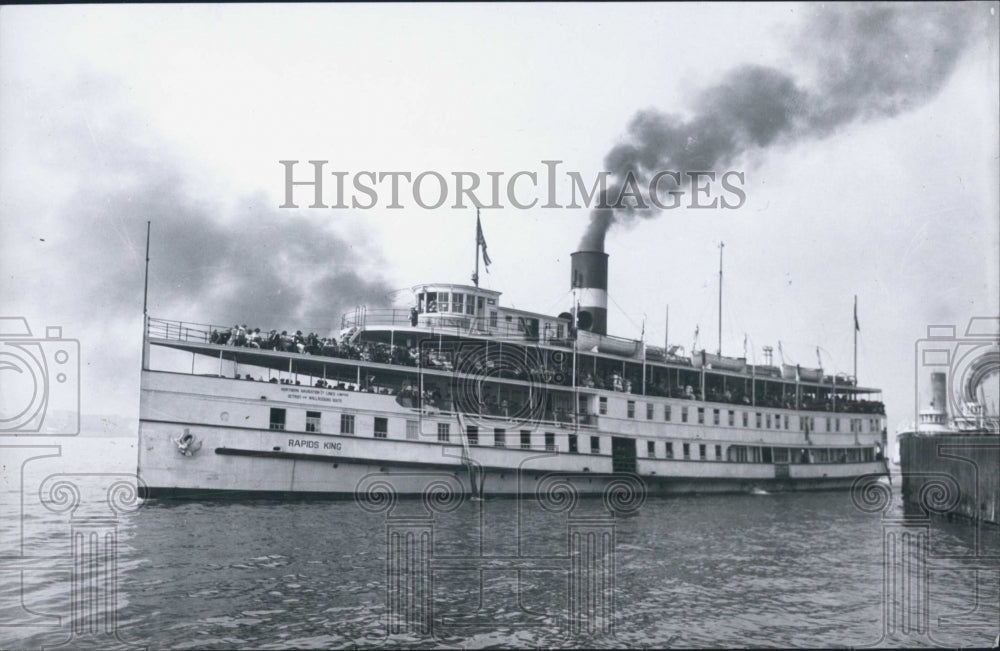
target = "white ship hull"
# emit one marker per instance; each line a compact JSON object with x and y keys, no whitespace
{"x":203,"y":436}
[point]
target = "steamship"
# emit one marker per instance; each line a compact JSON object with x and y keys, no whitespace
{"x":458,"y":388}
{"x":950,"y":457}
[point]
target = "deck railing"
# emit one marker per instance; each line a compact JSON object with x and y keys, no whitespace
{"x":181,"y":330}
{"x":184,"y":331}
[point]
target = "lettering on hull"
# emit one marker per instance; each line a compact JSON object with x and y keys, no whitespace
{"x":314,"y":445}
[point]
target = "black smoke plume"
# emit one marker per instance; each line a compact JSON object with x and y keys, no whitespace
{"x":214,"y":259}
{"x":867,"y":62}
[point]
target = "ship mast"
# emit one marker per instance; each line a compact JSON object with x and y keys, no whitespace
{"x":145,"y":295}
{"x":719,"y":352}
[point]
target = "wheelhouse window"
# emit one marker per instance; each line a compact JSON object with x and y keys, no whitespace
{"x":444,"y":431}
{"x":381,"y":428}
{"x":595,"y":444}
{"x":347,"y":423}
{"x":525,"y":439}
{"x":312,"y":421}
{"x":443,"y":302}
{"x":432,"y":304}
{"x":277,"y":420}
{"x":458,"y":303}
{"x":472,"y":433}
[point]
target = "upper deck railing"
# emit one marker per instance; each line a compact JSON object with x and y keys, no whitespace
{"x":536,"y":367}
{"x":181,"y":330}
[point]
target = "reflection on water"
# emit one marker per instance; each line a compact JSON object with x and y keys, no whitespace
{"x":745,"y":570}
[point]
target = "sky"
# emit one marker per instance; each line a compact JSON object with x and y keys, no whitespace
{"x":867,"y":137}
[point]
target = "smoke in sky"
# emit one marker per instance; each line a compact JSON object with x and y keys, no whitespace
{"x":867,"y":61}
{"x":264,"y":267}
{"x":212,"y":261}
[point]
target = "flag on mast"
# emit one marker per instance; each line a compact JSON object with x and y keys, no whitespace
{"x":857,"y":326}
{"x":481,"y":241}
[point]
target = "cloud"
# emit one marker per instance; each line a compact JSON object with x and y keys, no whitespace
{"x":82,"y":173}
{"x":866,"y":62}
{"x":252,"y":264}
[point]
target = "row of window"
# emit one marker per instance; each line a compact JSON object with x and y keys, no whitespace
{"x":737,"y":453}
{"x":458,"y":303}
{"x":761,"y":420}
{"x":381,"y":431}
{"x":668,"y":450}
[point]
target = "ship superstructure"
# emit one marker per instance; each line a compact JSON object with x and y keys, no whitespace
{"x":499,"y":399}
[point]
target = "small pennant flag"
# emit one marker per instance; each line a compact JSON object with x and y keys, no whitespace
{"x":481,"y":241}
{"x":857,"y":326}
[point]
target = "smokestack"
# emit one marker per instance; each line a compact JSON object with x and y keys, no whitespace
{"x":935,"y":417}
{"x":589,"y":274}
{"x":939,"y":394}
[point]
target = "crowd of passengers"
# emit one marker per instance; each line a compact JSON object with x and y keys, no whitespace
{"x":737,"y":396}
{"x":409,"y":395}
{"x":313,"y":344}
